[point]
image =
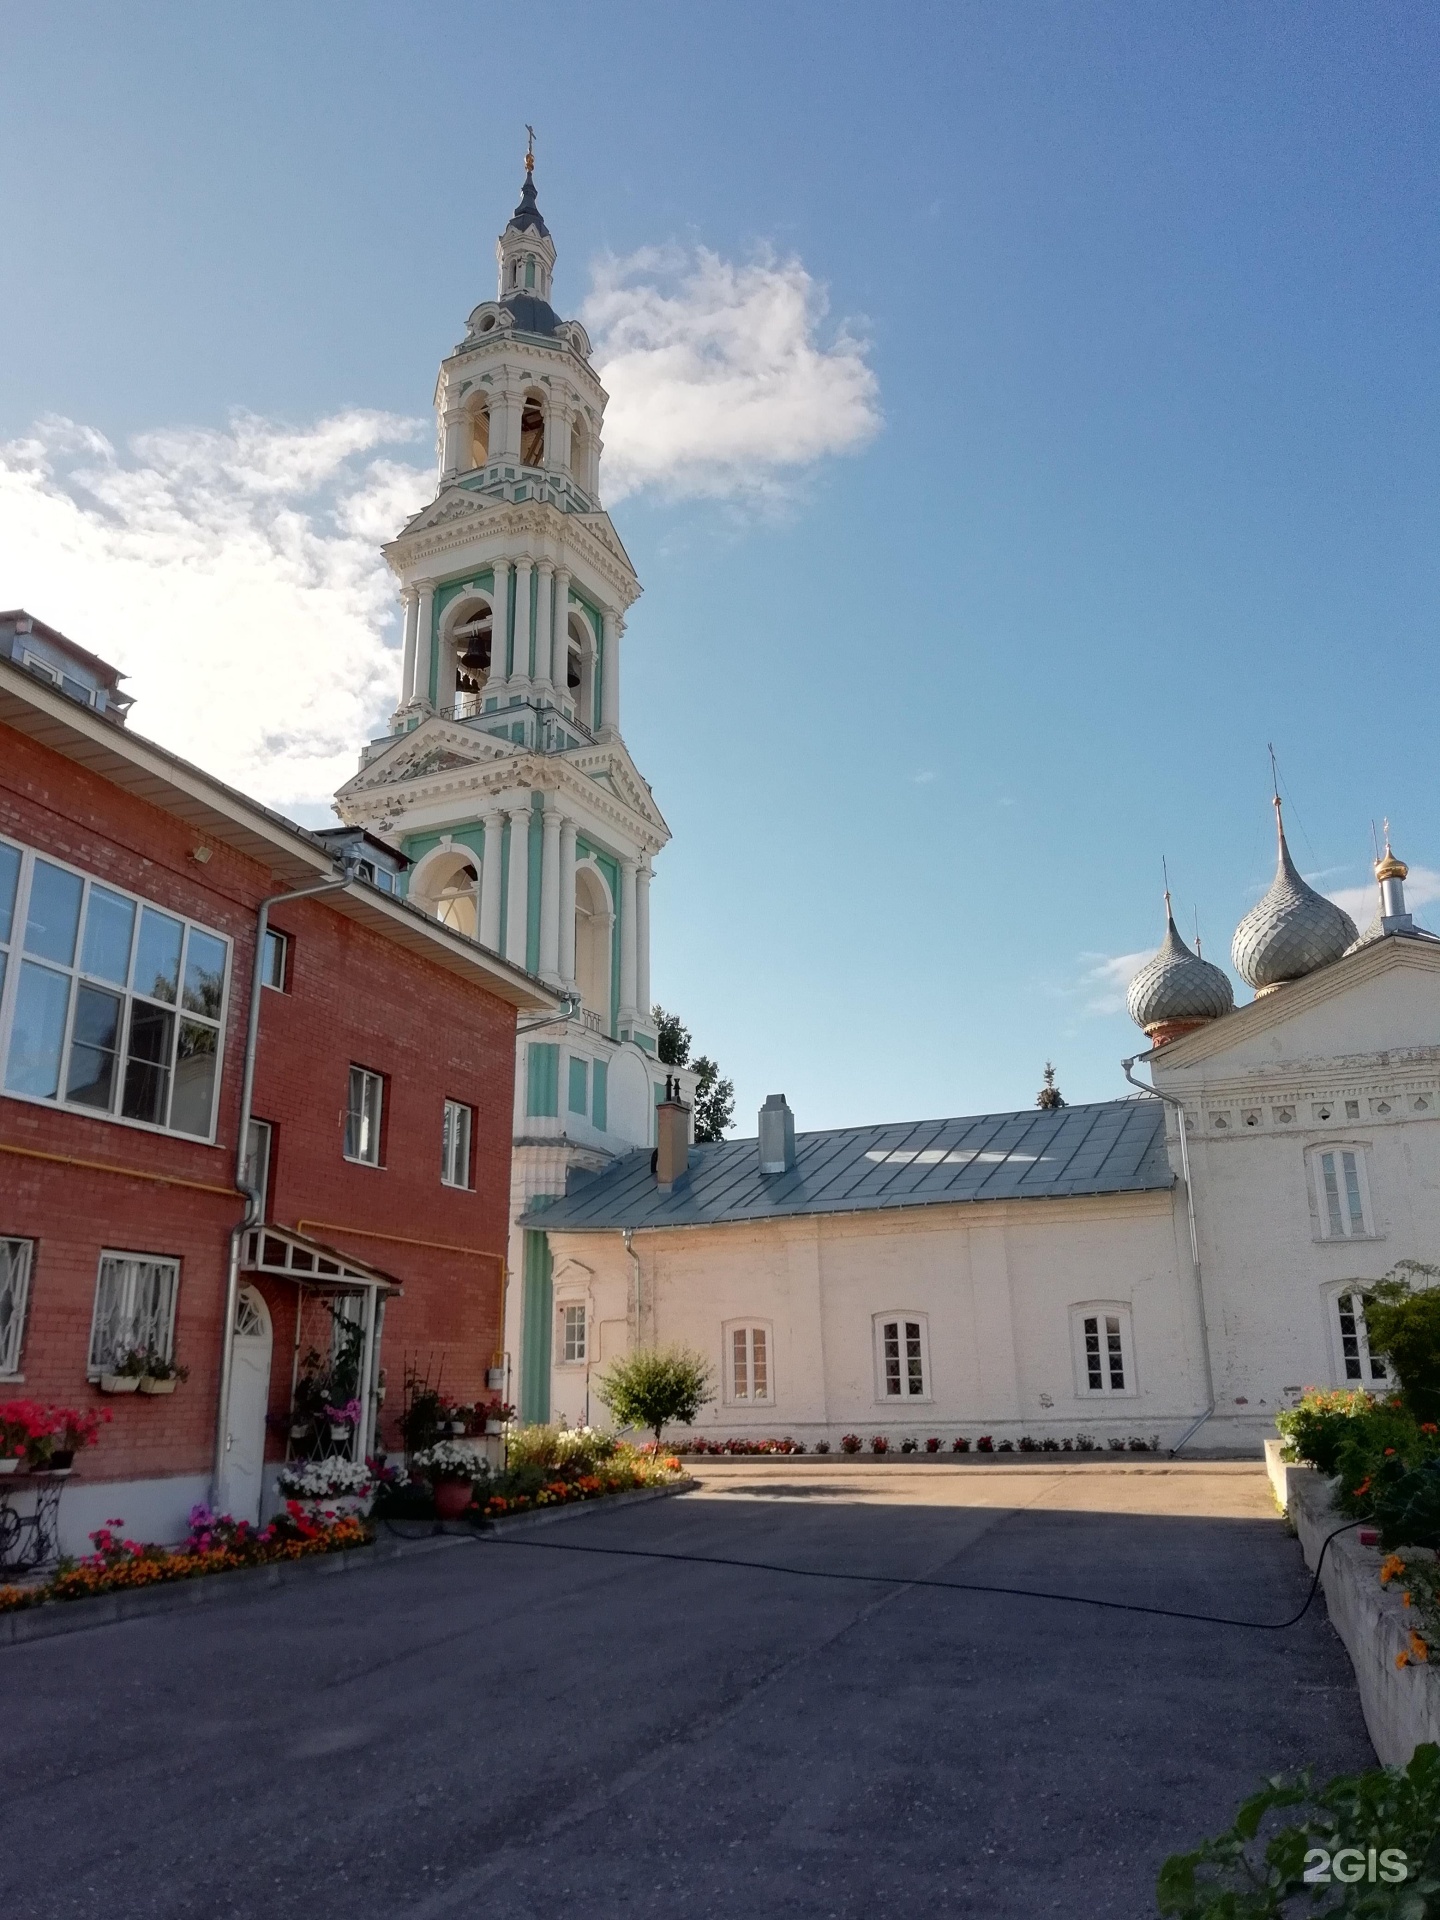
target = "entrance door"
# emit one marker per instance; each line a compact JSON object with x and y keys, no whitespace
{"x":249,"y":1400}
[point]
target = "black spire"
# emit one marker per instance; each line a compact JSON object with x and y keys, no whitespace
{"x":527,"y":217}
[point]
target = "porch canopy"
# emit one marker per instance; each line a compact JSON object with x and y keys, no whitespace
{"x":283,"y":1254}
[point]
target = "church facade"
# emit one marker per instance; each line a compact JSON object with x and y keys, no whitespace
{"x":504,"y":776}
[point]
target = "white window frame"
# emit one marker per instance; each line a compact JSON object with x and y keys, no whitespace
{"x":364,"y":1081}
{"x":1113,"y":1321}
{"x":1346,"y":1324}
{"x":154,"y":1328}
{"x":457,"y":1131}
{"x":749,"y":1371}
{"x":17,"y":1263}
{"x":13,"y":957}
{"x":276,"y":943}
{"x":904,"y":1318}
{"x":1333,"y":1215}
{"x":572,"y":1314}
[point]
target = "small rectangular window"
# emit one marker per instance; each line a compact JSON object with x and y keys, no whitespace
{"x":572,"y":1333}
{"x":16,"y":1259}
{"x":274,"y":960}
{"x":455,"y":1144}
{"x":600,"y":1095}
{"x":1359,"y":1366}
{"x":134,"y":1309}
{"x":579,"y":1085}
{"x":1341,"y":1193}
{"x":750,"y":1365}
{"x":1102,"y":1349}
{"x":363,"y":1116}
{"x":542,"y":1079}
{"x":259,"y":1141}
{"x":900,"y":1344}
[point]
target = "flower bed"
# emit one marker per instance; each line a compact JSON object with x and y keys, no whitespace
{"x":609,"y":1478}
{"x":787,"y":1445}
{"x":34,"y":1438}
{"x":216,"y":1544}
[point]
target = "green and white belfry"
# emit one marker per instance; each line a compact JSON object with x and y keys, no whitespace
{"x":504,"y":775}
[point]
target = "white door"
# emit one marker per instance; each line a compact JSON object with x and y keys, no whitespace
{"x":249,"y":1400}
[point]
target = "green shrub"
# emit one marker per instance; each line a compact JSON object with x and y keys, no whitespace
{"x":565,"y":1449}
{"x":654,"y":1386}
{"x":1376,"y":1452}
{"x":1239,"y":1876}
{"x":1406,"y":1508}
{"x":1314,"y":1430}
{"x":1402,"y":1323}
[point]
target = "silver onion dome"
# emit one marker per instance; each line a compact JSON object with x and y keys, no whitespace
{"x":1292,"y":931}
{"x":1176,"y":990}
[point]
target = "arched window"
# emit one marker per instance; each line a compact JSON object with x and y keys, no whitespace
{"x":592,"y":942}
{"x":514,"y":273}
{"x":529,"y":271}
{"x":580,"y":450}
{"x":580,"y":674}
{"x":446,"y":884}
{"x":479,"y":435}
{"x":469,"y":649}
{"x":532,"y":431}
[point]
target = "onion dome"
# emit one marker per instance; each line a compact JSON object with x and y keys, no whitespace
{"x":1292,"y":931}
{"x":1390,"y":914}
{"x":1176,"y":991}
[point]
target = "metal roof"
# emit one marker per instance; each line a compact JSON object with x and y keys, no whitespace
{"x":1114,"y":1146}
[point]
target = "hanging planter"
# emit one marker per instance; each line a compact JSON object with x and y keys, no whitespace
{"x":339,"y":1433}
{"x":494,"y":1426}
{"x":150,"y":1384}
{"x":119,"y":1383}
{"x":299,"y":1429}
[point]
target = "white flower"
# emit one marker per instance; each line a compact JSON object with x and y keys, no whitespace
{"x":448,"y":1459}
{"x":325,"y":1479}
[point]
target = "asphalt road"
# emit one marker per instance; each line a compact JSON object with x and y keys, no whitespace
{"x":528,"y":1730}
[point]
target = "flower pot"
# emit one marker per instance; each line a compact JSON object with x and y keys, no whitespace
{"x":299,"y":1430}
{"x":339,"y":1433}
{"x":62,"y":1460}
{"x":494,"y":1426}
{"x":118,"y":1383}
{"x":149,"y":1384}
{"x":56,"y":1473}
{"x":337,"y":1506}
{"x":452,"y":1497}
{"x":457,"y":1426}
{"x":12,"y":1465}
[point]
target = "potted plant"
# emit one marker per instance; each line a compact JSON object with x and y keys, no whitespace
{"x":452,"y":1472}
{"x":497,"y":1416}
{"x":879,"y":1444}
{"x":343,"y":1421}
{"x":24,"y":1429}
{"x":329,"y":1487}
{"x":127,"y":1369}
{"x":850,"y":1443}
{"x":161,"y":1375}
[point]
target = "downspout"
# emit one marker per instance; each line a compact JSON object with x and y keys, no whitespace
{"x":1173,"y":1100}
{"x":629,"y":1237}
{"x":251,"y":1216}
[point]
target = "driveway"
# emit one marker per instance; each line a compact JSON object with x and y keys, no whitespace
{"x":516,"y":1727}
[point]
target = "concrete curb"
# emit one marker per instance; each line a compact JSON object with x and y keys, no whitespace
{"x":983,"y":1462}
{"x":109,"y":1609}
{"x":1401,"y":1704}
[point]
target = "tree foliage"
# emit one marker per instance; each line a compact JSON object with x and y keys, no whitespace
{"x":1049,"y":1095}
{"x":656,"y":1385}
{"x":1402,"y":1323}
{"x":714,"y":1096}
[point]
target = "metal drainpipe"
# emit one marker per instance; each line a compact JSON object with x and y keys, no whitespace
{"x":251,"y":1217}
{"x":635,"y":1274}
{"x":1173,"y":1100}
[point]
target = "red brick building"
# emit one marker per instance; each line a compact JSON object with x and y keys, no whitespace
{"x":132,"y":891}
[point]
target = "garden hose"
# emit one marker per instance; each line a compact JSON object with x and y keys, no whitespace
{"x":948,"y":1586}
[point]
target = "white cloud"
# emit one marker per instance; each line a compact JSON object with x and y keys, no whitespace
{"x":1422,"y":889}
{"x":235,"y":575}
{"x":1106,"y":976}
{"x":720,"y":381}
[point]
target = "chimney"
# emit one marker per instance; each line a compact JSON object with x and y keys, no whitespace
{"x":777,"y":1135}
{"x":672,"y":1136}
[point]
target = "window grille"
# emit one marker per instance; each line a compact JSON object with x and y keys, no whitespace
{"x":134,"y":1308}
{"x":902,"y":1359}
{"x":455,"y":1145}
{"x":572,"y":1333}
{"x":16,"y":1258}
{"x":1361,"y":1368}
{"x":1103,"y":1358}
{"x":750,"y":1364}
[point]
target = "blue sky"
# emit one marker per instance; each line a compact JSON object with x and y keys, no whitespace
{"x":1148,"y":480}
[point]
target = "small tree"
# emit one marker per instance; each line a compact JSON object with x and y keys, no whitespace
{"x":648,"y":1388}
{"x":1049,"y":1095}
{"x":714,"y":1097}
{"x":1402,"y":1322}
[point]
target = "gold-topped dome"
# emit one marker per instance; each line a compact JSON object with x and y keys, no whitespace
{"x":1390,"y":868}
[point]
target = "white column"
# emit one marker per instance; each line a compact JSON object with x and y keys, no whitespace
{"x":500,"y":604}
{"x":642,"y":940}
{"x":410,"y":600}
{"x":457,"y":437}
{"x":557,"y":437}
{"x":425,"y":621}
{"x":560,"y":648}
{"x":504,"y":431}
{"x":517,"y":895}
{"x":610,"y":675}
{"x":628,"y":872}
{"x":544,"y":616}
{"x":550,"y":894}
{"x":567,"y":903}
{"x":520,"y":670}
{"x":490,"y":882}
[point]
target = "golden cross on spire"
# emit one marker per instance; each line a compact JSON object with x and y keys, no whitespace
{"x":530,"y":149}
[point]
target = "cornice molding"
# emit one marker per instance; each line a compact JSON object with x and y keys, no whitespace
{"x":458,"y":517}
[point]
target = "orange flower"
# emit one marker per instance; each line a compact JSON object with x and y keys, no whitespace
{"x":1364,"y":1487}
{"x":1389,"y":1568}
{"x":1419,"y":1649}
{"x":1402,"y":1659}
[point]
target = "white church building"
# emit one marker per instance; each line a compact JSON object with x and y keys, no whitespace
{"x":1175,"y":1264}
